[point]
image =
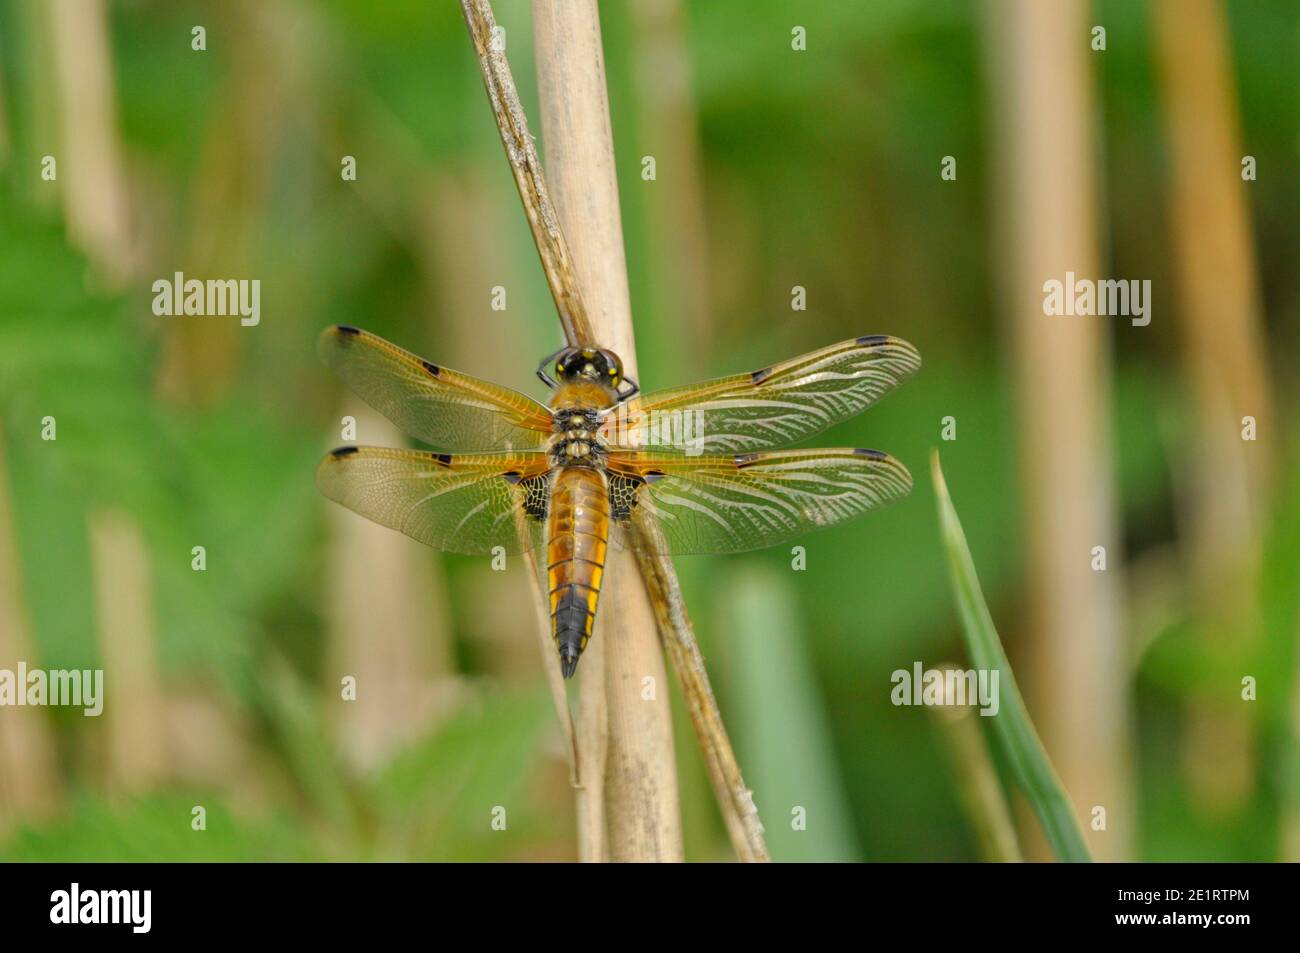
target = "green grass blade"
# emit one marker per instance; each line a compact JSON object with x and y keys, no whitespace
{"x":1012,"y":728}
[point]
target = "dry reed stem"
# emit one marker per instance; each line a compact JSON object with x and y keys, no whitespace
{"x":642,"y":819}
{"x":526,"y":168}
{"x":735,"y":801}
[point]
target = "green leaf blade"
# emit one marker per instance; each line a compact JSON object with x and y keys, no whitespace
{"x":1012,"y":726}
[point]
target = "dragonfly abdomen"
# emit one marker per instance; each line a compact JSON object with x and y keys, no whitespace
{"x":576,"y":540}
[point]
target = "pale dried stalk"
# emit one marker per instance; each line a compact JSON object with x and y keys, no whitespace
{"x":527,"y":170}
{"x":1223,"y":348}
{"x":94,"y":195}
{"x":1048,"y":186}
{"x":642,"y":818}
{"x":735,"y":801}
{"x":666,"y":117}
{"x":388,"y":627}
{"x":122,"y":576}
{"x":734,"y":797}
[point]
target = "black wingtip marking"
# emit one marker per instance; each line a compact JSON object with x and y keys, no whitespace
{"x":761,"y":375}
{"x":347,"y":330}
{"x":872,"y":454}
{"x":339,"y":452}
{"x":745,"y":459}
{"x":431,"y":368}
{"x":873,"y":339}
{"x":443,"y":458}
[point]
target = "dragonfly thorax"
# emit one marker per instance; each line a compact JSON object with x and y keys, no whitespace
{"x":577,"y":440}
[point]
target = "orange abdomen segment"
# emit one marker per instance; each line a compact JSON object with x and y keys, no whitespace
{"x":577,"y":534}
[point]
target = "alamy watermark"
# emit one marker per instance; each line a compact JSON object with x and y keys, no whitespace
{"x":946,"y":686}
{"x":1106,"y":298}
{"x":77,"y":688}
{"x":130,"y":907}
{"x":216,"y":296}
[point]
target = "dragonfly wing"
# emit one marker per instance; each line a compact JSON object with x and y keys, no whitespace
{"x":770,"y":407}
{"x":442,"y":407}
{"x":459,"y":503}
{"x":734,"y":503}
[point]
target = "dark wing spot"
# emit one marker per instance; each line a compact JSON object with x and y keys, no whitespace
{"x":745,"y":459}
{"x":347,"y":330}
{"x":342,"y":452}
{"x":431,"y":368}
{"x":512,"y":477}
{"x":759,"y":376}
{"x":537,"y":496}
{"x":873,"y":454}
{"x":622,"y":495}
{"x":443,"y":458}
{"x":651,"y":475}
{"x":871,"y":339}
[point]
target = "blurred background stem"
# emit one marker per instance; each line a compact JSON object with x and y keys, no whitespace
{"x":29,"y":784}
{"x":96,"y":208}
{"x":1228,"y":479}
{"x":977,"y":780}
{"x":1046,"y":184}
{"x":675,"y":204}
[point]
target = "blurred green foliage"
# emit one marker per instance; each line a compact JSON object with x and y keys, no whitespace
{"x":818,"y":169}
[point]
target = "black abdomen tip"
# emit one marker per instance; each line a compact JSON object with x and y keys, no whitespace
{"x":570,"y":623}
{"x":569,"y":639}
{"x":568,"y":665}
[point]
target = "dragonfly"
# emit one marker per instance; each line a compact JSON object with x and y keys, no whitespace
{"x":704,"y":461}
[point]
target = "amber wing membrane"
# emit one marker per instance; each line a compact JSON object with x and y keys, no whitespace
{"x":728,"y":504}
{"x":459,"y":503}
{"x":442,"y":407}
{"x":770,"y":407}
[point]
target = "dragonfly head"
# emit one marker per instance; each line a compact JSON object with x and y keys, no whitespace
{"x":573,"y":365}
